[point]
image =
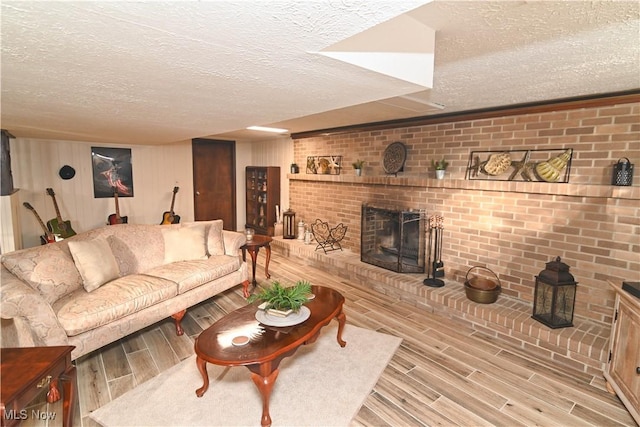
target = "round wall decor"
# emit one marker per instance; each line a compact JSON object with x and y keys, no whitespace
{"x":394,"y":157}
{"x":67,"y":172}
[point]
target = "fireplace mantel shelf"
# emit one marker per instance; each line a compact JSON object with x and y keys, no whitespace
{"x":422,"y":181}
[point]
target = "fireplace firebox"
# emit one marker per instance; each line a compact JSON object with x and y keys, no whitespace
{"x":393,"y":239}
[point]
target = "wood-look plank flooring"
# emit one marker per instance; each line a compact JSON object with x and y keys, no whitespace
{"x":444,"y":373}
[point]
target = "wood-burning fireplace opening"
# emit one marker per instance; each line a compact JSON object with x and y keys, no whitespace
{"x":393,"y":239}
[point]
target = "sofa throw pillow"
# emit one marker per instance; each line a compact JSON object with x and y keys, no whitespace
{"x":184,"y":243}
{"x":95,"y":262}
{"x":49,"y":269}
{"x":215,"y":241}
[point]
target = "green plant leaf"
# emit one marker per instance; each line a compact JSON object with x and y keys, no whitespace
{"x":439,"y":164}
{"x":283,"y":298}
{"x":358,"y":164}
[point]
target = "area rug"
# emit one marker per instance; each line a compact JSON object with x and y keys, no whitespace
{"x":322,"y":384}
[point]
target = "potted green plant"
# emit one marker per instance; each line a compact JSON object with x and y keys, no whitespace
{"x":440,"y":166}
{"x":358,"y":165}
{"x":280,"y":300}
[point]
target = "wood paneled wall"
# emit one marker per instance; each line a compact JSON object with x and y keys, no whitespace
{"x":273,"y":152}
{"x":276,"y":152}
{"x":156,"y":170}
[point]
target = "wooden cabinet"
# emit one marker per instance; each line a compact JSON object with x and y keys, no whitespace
{"x":263,"y":194}
{"x":25,"y":373}
{"x":623,"y":367}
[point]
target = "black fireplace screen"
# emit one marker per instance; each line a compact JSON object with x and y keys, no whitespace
{"x":393,"y":239}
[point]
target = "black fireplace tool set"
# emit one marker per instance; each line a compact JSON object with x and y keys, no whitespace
{"x":434,"y":256}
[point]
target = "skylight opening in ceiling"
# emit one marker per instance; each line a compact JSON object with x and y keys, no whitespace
{"x":402,"y":47}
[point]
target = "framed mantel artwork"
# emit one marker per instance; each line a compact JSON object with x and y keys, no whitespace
{"x":112,"y":172}
{"x":324,"y":165}
{"x":521,"y":165}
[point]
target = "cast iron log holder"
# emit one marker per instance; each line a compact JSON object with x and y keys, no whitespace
{"x":434,"y":255}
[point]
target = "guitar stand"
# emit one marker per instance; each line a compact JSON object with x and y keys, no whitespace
{"x":434,"y":260}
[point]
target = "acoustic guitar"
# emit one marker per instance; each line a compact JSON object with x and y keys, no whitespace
{"x":48,"y":236}
{"x":57,"y":225}
{"x":169,"y":217}
{"x":116,"y":218}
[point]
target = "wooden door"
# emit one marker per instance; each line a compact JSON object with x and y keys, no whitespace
{"x":214,"y":181}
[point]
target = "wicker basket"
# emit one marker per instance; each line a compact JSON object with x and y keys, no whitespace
{"x":481,"y":290}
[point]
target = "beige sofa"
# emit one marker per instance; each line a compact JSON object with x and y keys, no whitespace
{"x":101,"y":285}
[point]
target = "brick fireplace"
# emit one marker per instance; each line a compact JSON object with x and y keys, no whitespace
{"x":514,"y":228}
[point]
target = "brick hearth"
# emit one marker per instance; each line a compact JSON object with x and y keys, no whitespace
{"x":582,"y":347}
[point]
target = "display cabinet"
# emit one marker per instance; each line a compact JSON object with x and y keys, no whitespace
{"x":263,"y":195}
{"x":623,"y":366}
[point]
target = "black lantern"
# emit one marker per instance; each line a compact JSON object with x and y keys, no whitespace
{"x":555,"y":295}
{"x":289,"y":226}
{"x":622,"y":172}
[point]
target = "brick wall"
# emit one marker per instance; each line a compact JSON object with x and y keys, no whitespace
{"x":513,"y":228}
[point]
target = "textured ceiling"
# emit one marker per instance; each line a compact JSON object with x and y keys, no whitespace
{"x":160,"y":72}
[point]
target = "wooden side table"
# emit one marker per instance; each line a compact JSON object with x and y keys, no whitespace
{"x":24,"y":372}
{"x":253,"y":247}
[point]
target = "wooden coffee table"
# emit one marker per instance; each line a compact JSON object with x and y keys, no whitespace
{"x":269,"y":345}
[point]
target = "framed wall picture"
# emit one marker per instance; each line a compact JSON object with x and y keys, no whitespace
{"x":324,"y":165}
{"x":111,"y":171}
{"x":521,"y":165}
